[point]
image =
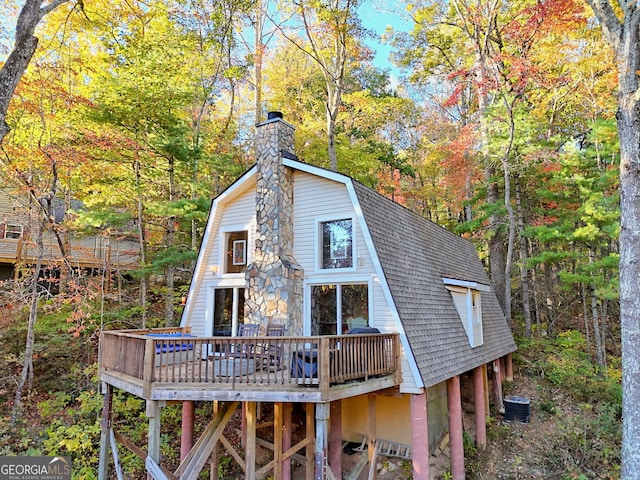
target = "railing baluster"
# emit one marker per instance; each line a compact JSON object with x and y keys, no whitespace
{"x":338,"y":359}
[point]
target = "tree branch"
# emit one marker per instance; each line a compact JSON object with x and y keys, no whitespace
{"x":611,"y":26}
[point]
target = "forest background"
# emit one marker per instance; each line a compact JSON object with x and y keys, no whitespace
{"x":502,"y":129}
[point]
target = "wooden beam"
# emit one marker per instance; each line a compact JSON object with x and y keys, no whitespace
{"x":105,"y":425}
{"x":153,"y":439}
{"x":277,"y":440}
{"x":250,"y":445}
{"x":322,"y":436}
{"x":335,"y":436}
{"x":155,"y":470}
{"x":310,"y":430}
{"x":139,"y":452}
{"x":195,"y":460}
{"x":215,"y":456}
{"x":371,"y":427}
{"x":286,"y":440}
{"x":232,"y":451}
{"x":148,"y":366}
{"x":480,"y":416}
{"x":116,"y":459}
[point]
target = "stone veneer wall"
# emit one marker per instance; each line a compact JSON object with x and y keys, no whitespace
{"x":273,"y":291}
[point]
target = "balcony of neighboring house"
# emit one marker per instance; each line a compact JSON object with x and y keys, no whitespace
{"x":170,"y":364}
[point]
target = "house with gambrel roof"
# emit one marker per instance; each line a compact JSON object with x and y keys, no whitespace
{"x":383,"y":316}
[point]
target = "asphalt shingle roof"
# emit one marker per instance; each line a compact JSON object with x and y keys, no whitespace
{"x":416,"y":254}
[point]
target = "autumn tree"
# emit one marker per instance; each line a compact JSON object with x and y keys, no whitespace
{"x":620,"y":22}
{"x":332,"y":31}
{"x":33,"y":11}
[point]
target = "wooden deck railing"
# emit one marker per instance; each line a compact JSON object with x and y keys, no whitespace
{"x":172,"y":356}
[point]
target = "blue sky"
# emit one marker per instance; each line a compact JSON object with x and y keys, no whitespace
{"x":377,"y":15}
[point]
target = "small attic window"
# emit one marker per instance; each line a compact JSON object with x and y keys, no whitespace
{"x":467,"y":300}
{"x":236,"y":251}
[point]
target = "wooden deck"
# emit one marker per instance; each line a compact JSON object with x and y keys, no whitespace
{"x":168,"y":364}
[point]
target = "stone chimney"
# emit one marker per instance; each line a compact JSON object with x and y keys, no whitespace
{"x":274,"y":279}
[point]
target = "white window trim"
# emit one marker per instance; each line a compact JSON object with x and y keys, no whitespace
{"x":335,"y":280}
{"x":16,"y":226}
{"x":466,"y":284}
{"x":473,"y":317}
{"x":222,"y":249}
{"x":317,"y":261}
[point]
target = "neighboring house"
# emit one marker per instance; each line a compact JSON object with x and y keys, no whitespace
{"x":17,"y":245}
{"x":292,"y":244}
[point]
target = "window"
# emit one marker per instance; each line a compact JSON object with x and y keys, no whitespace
{"x":236,"y":252}
{"x":336,"y":239}
{"x":337,"y":308}
{"x":467,"y":300}
{"x":13,"y":230}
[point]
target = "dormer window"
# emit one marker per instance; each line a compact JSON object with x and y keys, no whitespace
{"x":236,"y":252}
{"x":467,"y":300}
{"x":336,"y":243}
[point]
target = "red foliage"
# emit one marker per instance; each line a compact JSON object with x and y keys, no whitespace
{"x":459,"y":165}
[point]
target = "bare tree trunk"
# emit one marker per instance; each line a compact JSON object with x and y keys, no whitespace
{"x":170,"y":240}
{"x":258,"y":57}
{"x":597,"y":336}
{"x":506,"y":167}
{"x":596,"y":329}
{"x":536,"y":303}
{"x":623,"y":34}
{"x":141,"y":243}
{"x":585,"y":315}
{"x":549,"y":295}
{"x":27,"y":366}
{"x":524,"y":271}
{"x":332,"y":106}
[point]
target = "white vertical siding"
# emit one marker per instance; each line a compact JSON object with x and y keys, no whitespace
{"x":238,"y":214}
{"x":316,"y":197}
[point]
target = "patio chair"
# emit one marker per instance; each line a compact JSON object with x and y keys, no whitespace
{"x":243,"y":350}
{"x":272,"y":349}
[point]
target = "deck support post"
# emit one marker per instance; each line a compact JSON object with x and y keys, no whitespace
{"x":508,"y":368}
{"x":154,"y":413}
{"x":186,"y":437}
{"x":278,"y":422}
{"x":335,"y":436}
{"x":485,"y":378}
{"x":322,"y":435}
{"x":455,"y":428}
{"x":497,"y":386}
{"x":310,"y":449}
{"x":371,"y":428}
{"x":214,"y":458}
{"x":286,"y":439}
{"x":243,"y":425}
{"x":420,"y":436}
{"x":481,"y":416}
{"x":250,"y":444}
{"x":105,"y":433}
